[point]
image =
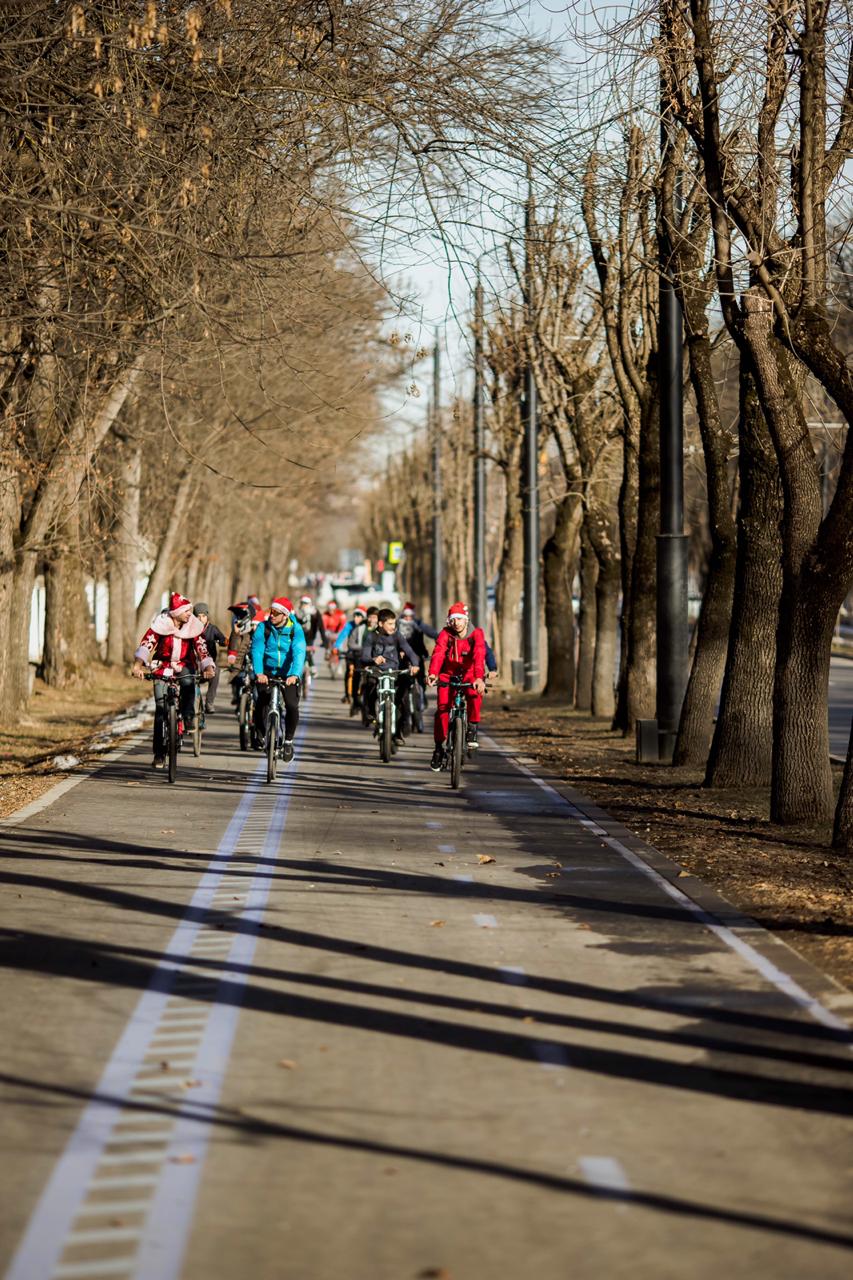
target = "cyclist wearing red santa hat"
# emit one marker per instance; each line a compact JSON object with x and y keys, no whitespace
{"x":173,"y":643}
{"x":460,"y":650}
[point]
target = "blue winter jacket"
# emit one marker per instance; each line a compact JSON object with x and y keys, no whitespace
{"x":278,"y":651}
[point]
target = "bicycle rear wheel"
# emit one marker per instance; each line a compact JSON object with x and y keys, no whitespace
{"x":198,"y":723}
{"x":243,"y":716}
{"x":272,"y":744}
{"x":172,"y":735}
{"x":457,"y":750}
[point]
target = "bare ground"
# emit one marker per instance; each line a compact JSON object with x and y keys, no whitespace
{"x":788,"y":878}
{"x":58,"y":722}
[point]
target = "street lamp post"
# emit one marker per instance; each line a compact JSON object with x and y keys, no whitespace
{"x":530,"y":477}
{"x":437,"y":575}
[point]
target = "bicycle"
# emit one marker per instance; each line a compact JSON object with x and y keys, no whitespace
{"x":456,"y":742}
{"x":173,"y":723}
{"x":246,"y":704}
{"x":199,"y":721}
{"x":333,"y":659}
{"x":274,"y":737}
{"x":308,"y":671}
{"x":386,"y":709}
{"x":415,"y":696}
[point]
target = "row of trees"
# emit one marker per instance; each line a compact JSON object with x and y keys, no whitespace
{"x":191,"y":197}
{"x":744,"y":201}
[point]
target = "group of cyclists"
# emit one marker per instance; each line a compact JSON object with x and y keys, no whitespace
{"x":278,"y":644}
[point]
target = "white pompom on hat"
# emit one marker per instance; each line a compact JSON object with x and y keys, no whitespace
{"x":458,"y":610}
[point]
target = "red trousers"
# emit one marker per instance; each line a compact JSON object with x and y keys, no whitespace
{"x":444,"y":696}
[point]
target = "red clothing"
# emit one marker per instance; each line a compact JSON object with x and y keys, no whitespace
{"x":167,"y":645}
{"x":462,"y":656}
{"x":333,"y":621}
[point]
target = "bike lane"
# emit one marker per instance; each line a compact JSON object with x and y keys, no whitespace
{"x":474,"y":1038}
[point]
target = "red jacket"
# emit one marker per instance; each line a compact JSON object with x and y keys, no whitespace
{"x":463,"y":656}
{"x":334,"y":621}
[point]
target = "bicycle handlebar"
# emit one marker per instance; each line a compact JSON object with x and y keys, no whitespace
{"x":455,"y":682}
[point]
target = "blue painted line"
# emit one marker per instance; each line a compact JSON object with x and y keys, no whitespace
{"x":164,"y":1236}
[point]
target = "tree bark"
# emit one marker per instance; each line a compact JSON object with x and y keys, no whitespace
{"x":696,"y":726}
{"x":603,"y":703}
{"x":741,"y":749}
{"x":123,"y":556}
{"x":508,"y":594}
{"x":560,"y":555}
{"x":586,"y":622}
{"x":68,"y":637}
{"x":629,"y":490}
{"x":641,"y":674}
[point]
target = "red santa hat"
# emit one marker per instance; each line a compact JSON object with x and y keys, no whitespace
{"x":408,"y":607}
{"x":458,"y":610}
{"x":178,"y":603}
{"x":282,"y":604}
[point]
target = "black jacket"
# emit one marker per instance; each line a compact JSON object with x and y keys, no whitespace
{"x":377,"y":644}
{"x":213,"y":637}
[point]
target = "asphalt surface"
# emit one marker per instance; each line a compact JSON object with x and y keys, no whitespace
{"x":357,"y":1026}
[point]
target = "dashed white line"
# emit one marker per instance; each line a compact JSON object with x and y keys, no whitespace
{"x":604,"y":1173}
{"x":447,"y":848}
{"x":514,"y":974}
{"x":552,"y":1057}
{"x":484,"y":921}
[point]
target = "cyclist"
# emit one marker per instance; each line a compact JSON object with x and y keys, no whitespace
{"x":385,"y":647}
{"x":173,"y":643}
{"x":312,"y":628}
{"x":460,"y":650}
{"x":278,"y":649}
{"x":239,"y":643}
{"x":349,"y":642}
{"x":334,"y":619}
{"x":213,"y":638}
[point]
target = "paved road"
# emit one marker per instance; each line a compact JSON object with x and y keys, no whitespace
{"x":305,"y":1032}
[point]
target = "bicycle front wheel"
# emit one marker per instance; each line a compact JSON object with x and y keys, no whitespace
{"x":457,"y":749}
{"x":172,"y":733}
{"x":198,"y":723}
{"x":272,"y":744}
{"x":386,"y":737}
{"x":243,"y":717}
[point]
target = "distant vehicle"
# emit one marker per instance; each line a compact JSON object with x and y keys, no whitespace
{"x":348,"y":594}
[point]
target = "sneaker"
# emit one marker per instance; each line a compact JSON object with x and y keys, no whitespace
{"x":159,"y":762}
{"x":437,"y":760}
{"x":210,"y":711}
{"x":287,"y":752}
{"x":399,"y":740}
{"x":354,"y":709}
{"x":473,"y":737}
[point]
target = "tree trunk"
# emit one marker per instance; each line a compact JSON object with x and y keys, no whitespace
{"x":14,"y":652}
{"x":123,"y":557}
{"x":842,"y":834}
{"x":164,"y":565}
{"x":741,"y":749}
{"x":629,"y":491}
{"x":606,"y":634}
{"x":696,"y":726}
{"x":560,"y":555}
{"x":586,"y":623}
{"x":641,"y":676}
{"x":68,"y":638}
{"x":508,"y":593}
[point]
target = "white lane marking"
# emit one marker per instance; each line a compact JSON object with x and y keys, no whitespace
{"x":463,"y":878}
{"x":484,"y":921}
{"x":773,"y":974}
{"x":553,"y":1057}
{"x":434,"y":826}
{"x":447,"y":848}
{"x":118,"y":1267}
{"x":604,"y":1173}
{"x":514,"y":974}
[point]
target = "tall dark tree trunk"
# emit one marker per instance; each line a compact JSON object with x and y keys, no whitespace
{"x":642,"y":631}
{"x":741,"y":749}
{"x":560,"y":556}
{"x":123,"y":556}
{"x":508,"y":595}
{"x":629,"y":498}
{"x":68,"y":636}
{"x":712,"y":632}
{"x":586,"y":622}
{"x":606,"y":635}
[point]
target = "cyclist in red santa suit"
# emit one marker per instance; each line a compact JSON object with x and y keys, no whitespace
{"x":460,"y":650}
{"x":173,"y":643}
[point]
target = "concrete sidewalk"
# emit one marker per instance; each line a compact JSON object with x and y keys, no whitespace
{"x":359,"y":1025}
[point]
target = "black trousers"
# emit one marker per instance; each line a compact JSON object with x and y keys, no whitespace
{"x":290,"y":696}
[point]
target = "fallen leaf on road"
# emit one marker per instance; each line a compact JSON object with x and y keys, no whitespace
{"x":483,"y":858}
{"x":187,"y":1159}
{"x":132,"y":784}
{"x":192,"y":1084}
{"x":681,"y":874}
{"x":436,"y":924}
{"x":528,"y":1019}
{"x":551,"y":875}
{"x":288,"y":1063}
{"x":438,"y":864}
{"x":167,"y":831}
{"x":434,"y":1273}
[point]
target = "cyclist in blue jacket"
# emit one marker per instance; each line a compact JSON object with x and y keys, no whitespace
{"x":278,"y":649}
